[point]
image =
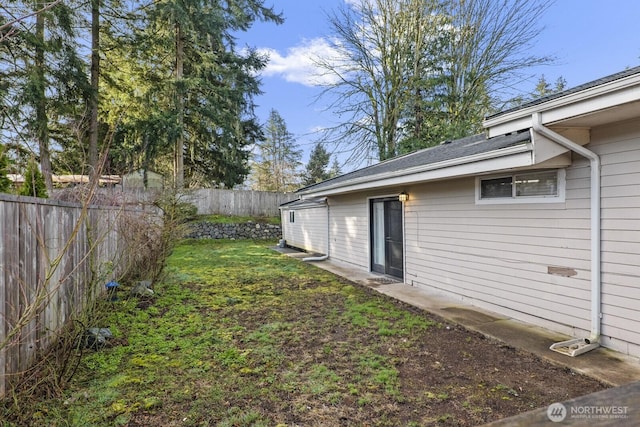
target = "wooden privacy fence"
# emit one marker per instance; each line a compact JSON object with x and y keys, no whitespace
{"x":239,"y":202}
{"x":211,"y":201}
{"x":54,"y":258}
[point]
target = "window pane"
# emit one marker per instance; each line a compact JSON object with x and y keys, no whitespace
{"x":495,"y":188}
{"x":537,"y":184}
{"x":378,"y":233}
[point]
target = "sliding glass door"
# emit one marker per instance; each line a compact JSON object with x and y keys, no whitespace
{"x":387,"y":237}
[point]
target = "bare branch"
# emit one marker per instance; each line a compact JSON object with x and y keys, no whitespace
{"x":411,"y":73}
{"x":11,"y":23}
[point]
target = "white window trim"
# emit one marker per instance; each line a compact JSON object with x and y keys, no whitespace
{"x":559,"y":198}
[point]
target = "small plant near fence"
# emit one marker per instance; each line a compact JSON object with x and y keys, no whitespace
{"x":46,"y":313}
{"x":151,"y":237}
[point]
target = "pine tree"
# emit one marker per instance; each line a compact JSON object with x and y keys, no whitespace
{"x":199,"y":86}
{"x":34,"y":184}
{"x":276,"y":168}
{"x":316,"y":170}
{"x":543,"y":87}
{"x":46,"y":77}
{"x":335,"y":169}
{"x":5,"y":183}
{"x":561,"y":85}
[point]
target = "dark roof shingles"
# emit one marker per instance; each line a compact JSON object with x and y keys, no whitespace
{"x":469,"y":146}
{"x":608,"y":79}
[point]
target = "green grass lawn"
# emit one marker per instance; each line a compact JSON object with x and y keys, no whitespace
{"x":224,"y":331}
{"x":240,"y":335}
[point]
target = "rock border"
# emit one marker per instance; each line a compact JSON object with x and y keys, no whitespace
{"x":248,"y":230}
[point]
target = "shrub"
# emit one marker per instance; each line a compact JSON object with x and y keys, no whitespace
{"x":34,"y":184}
{"x":5,"y":183}
{"x":150,"y":237}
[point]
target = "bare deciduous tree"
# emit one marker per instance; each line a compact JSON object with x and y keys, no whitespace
{"x":487,"y":53}
{"x":411,"y":73}
{"x":376,"y":59}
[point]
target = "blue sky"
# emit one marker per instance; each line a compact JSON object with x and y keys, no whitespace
{"x":589,"y":38}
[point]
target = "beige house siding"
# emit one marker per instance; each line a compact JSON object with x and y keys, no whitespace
{"x":619,"y":149}
{"x":349,"y":226}
{"x":309,"y":229}
{"x":528,"y":261}
{"x":349,"y":229}
{"x":498,"y":256}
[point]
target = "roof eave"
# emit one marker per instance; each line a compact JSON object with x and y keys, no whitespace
{"x":517,"y":156}
{"x":306,"y":203}
{"x":596,"y":98}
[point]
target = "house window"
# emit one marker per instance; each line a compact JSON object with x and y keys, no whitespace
{"x":292,"y":216}
{"x":527,"y":187}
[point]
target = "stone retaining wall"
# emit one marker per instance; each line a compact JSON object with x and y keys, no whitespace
{"x":249,"y":230}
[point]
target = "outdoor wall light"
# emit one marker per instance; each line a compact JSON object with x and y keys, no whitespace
{"x":403,"y":197}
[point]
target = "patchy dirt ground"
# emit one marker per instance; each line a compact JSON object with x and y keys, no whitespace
{"x":334,"y":368}
{"x":239,"y":335}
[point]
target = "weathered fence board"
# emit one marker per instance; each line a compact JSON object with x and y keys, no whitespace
{"x":54,"y":258}
{"x":211,"y":201}
{"x":239,"y":202}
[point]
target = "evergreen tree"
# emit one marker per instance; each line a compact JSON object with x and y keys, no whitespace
{"x":196,"y":94}
{"x":276,"y":168}
{"x":34,"y":184}
{"x":175,"y":93}
{"x":543,"y":87}
{"x":5,"y":183}
{"x":316,"y":170}
{"x":46,"y":79}
{"x":335,"y":169}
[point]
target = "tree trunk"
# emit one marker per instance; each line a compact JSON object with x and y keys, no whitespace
{"x":178,"y":169}
{"x":94,"y":167}
{"x":42,"y":121}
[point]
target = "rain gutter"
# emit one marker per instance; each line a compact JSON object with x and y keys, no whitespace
{"x":578,"y":346}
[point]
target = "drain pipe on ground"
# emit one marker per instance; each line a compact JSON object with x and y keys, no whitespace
{"x":326,"y":256}
{"x":579,"y":346}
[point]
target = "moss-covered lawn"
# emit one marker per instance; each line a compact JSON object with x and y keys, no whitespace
{"x":239,"y":335}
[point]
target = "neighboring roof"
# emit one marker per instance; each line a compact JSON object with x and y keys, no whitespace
{"x":422,"y":159}
{"x":140,"y":172}
{"x":15,"y":178}
{"x":70,"y":179}
{"x":599,"y":82}
{"x":313,"y":202}
{"x":77,"y":179}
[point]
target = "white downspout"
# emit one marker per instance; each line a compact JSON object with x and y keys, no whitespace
{"x":326,"y":256}
{"x":578,"y":346}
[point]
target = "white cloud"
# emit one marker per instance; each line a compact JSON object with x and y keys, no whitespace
{"x":298,"y":63}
